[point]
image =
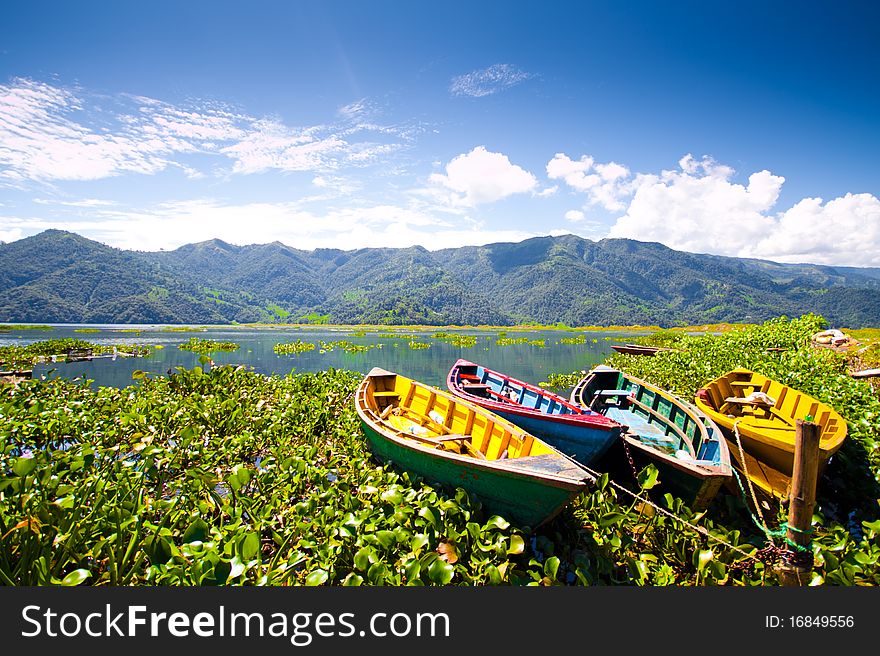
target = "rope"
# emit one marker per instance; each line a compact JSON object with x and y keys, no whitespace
{"x":701,"y":530}
{"x":782,"y":531}
{"x":763,"y":524}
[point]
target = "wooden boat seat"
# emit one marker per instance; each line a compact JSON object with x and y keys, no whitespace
{"x":614,"y":392}
{"x":452,"y":437}
{"x":744,"y":401}
{"x":391,"y":394}
{"x":475,"y":387}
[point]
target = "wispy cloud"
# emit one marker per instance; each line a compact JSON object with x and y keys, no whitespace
{"x":487,"y":81}
{"x":49,"y":133}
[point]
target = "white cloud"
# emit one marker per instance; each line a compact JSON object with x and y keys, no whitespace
{"x":272,"y":145}
{"x":843,"y":230}
{"x":481,"y":176}
{"x":40,"y":141}
{"x":49,"y":133}
{"x":170,"y":225}
{"x":574,"y":215}
{"x":85,"y":202}
{"x":699,"y":209}
{"x":604,"y":184}
{"x":487,"y":81}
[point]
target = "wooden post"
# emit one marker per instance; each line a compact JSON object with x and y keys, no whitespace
{"x":797,"y":567}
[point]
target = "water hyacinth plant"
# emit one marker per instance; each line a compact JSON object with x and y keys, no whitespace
{"x":288,"y":348}
{"x":197,"y":345}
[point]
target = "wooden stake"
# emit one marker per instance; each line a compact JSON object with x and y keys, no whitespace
{"x":797,"y":567}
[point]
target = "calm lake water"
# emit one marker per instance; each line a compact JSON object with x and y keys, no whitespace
{"x":429,"y":365}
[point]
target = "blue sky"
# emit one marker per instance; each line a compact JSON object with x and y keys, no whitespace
{"x":748,"y":129}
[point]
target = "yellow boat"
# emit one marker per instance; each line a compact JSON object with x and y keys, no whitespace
{"x":764,"y":413}
{"x":451,"y":441}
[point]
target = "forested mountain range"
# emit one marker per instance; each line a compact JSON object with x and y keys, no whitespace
{"x":59,"y":276}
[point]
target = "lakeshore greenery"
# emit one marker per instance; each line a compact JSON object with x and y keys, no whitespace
{"x":225,"y":476}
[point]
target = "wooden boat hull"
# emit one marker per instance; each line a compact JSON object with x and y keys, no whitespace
{"x":635,"y":349}
{"x":528,"y":487}
{"x":580,"y":433}
{"x":15,"y":375}
{"x":688,"y":448}
{"x":767,"y":431}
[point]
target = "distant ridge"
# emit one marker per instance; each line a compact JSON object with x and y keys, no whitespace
{"x":59,"y":276}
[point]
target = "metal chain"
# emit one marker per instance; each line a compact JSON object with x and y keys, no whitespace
{"x":629,"y":457}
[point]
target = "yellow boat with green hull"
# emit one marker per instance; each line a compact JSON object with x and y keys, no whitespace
{"x":450,"y":441}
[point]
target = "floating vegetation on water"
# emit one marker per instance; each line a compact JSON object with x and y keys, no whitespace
{"x":511,"y":341}
{"x":24,"y":326}
{"x":416,"y":345}
{"x":561,"y":381}
{"x":456,"y":339}
{"x":59,"y":350}
{"x":87,"y":330}
{"x":580,"y":339}
{"x":288,"y":348}
{"x":227,"y":477}
{"x":346,"y":346}
{"x":198,"y":345}
{"x":396,"y":336}
{"x":183,"y":329}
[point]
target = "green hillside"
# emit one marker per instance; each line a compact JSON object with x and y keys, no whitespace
{"x":59,"y":276}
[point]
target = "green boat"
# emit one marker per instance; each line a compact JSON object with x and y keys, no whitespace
{"x":453,"y":442}
{"x":686,"y":446}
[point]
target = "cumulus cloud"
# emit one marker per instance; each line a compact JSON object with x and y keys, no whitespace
{"x":49,"y":133}
{"x":843,"y":230}
{"x":481,"y":176}
{"x":699,"y":208}
{"x":487,"y":81}
{"x":574,"y":215}
{"x":604,"y":184}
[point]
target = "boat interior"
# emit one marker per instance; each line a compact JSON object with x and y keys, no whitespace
{"x":767,"y":403}
{"x":417,"y":412}
{"x":653,"y":419}
{"x":476,"y":380}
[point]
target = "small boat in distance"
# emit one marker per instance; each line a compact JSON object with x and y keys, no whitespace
{"x":764,"y":413}
{"x":15,"y":375}
{"x":636,"y":349}
{"x":447,"y":440}
{"x":688,"y":448}
{"x":583,"y":434}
